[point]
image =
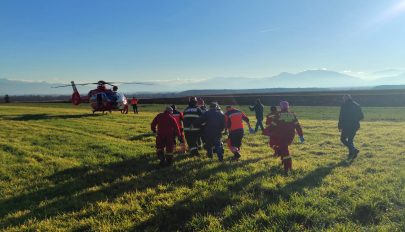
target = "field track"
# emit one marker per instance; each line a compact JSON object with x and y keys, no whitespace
{"x":64,"y":169}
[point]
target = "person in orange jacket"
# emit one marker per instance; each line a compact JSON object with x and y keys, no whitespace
{"x":134,"y":103}
{"x":234,"y":123}
{"x":167,"y":130}
{"x":283,"y":129}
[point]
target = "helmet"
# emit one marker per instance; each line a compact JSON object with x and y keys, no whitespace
{"x":192,"y":100}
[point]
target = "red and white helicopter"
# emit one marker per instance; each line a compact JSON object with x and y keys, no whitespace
{"x":102,"y":99}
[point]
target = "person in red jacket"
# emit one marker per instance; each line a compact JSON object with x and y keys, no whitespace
{"x":283,"y":128}
{"x":268,"y":130}
{"x":134,"y":103}
{"x":167,"y":130}
{"x":234,"y":123}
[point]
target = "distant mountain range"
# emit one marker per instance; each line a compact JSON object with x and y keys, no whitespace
{"x":301,"y":80}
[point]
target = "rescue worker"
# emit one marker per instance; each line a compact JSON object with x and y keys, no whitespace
{"x":201,"y":139}
{"x":134,"y":104}
{"x":179,"y":119}
{"x":201,"y":104}
{"x":349,"y":123}
{"x":114,"y":95}
{"x":6,"y":99}
{"x":234,"y":123}
{"x":258,"y":108}
{"x":283,"y":128}
{"x":267,"y":131}
{"x":167,"y":130}
{"x":214,"y":122}
{"x":192,"y":134}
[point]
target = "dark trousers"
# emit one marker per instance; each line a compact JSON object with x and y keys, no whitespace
{"x":215,"y":144}
{"x":135,"y":108}
{"x":259,"y":123}
{"x":347,"y":137}
{"x":192,"y":138}
{"x":235,"y":140}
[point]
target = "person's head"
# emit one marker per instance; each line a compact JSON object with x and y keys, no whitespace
{"x":169,"y":109}
{"x":173,"y":107}
{"x":214,"y":106}
{"x":200,"y":102}
{"x":273,"y":109}
{"x":284,"y":106}
{"x":228,"y":108}
{"x":133,"y":97}
{"x":258,"y":101}
{"x":192,"y":101}
{"x":347,"y":97}
{"x":115,"y":88}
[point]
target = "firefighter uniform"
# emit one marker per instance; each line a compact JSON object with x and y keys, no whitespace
{"x":283,"y":128}
{"x":192,"y":134}
{"x":234,"y":123}
{"x":268,"y":131}
{"x":167,"y":130}
{"x":214,"y":121}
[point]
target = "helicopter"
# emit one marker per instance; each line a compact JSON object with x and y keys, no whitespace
{"x":102,"y":99}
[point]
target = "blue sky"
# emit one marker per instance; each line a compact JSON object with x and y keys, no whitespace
{"x":87,"y":40}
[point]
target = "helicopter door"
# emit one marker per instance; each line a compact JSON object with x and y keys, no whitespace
{"x":99,"y":99}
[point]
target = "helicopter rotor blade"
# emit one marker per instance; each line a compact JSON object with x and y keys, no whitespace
{"x":131,"y":83}
{"x":69,"y":85}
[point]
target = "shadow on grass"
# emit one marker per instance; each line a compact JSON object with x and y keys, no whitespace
{"x":141,"y":136}
{"x":34,"y":117}
{"x":274,"y":196}
{"x":76,"y":188}
{"x":177,"y":216}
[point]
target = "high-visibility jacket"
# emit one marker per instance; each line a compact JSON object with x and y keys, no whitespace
{"x":134,"y":101}
{"x":234,"y":119}
{"x":179,"y":117}
{"x":284,"y":126}
{"x":166,"y":125}
{"x":190,"y":114}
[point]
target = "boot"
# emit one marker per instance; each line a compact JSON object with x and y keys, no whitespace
{"x":161,"y":157}
{"x":355,"y":153}
{"x":236,"y":156}
{"x":169,"y":159}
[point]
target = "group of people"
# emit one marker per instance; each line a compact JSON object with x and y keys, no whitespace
{"x":200,"y":127}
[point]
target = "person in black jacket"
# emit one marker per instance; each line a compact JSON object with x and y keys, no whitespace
{"x":349,"y":123}
{"x":214,"y":123}
{"x":192,"y":134}
{"x":258,"y":108}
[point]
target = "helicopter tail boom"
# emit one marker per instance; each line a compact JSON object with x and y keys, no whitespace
{"x":76,"y":99}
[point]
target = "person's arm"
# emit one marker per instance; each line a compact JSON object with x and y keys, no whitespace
{"x":181,"y":116}
{"x":228,"y":122}
{"x":154,"y":123}
{"x":340,"y":118}
{"x":176,"y":127}
{"x":199,"y":121}
{"x":246,"y":119}
{"x":222,"y":122}
{"x":298,"y":128}
{"x":360,"y":112}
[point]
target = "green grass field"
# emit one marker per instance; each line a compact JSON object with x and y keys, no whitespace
{"x":64,"y":169}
